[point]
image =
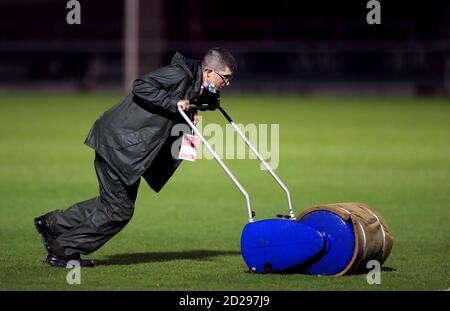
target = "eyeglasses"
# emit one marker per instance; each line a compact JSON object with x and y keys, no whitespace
{"x":225,"y":78}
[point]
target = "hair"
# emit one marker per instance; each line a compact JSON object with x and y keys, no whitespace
{"x":219,"y":59}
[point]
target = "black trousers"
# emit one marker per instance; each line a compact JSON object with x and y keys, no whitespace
{"x":86,"y":226}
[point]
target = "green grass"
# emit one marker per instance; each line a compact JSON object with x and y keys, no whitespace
{"x":393,"y":154}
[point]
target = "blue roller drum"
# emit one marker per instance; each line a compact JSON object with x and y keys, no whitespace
{"x":340,"y":242}
{"x":273,"y":245}
{"x":321,"y":243}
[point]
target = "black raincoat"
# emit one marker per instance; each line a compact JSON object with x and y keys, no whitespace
{"x":134,"y":136}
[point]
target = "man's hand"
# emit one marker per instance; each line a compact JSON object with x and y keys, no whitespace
{"x":184,"y":104}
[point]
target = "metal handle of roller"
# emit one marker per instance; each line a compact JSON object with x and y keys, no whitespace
{"x":255,"y":152}
{"x":200,"y":107}
{"x":224,"y":167}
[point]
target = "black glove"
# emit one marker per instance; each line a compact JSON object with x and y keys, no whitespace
{"x":208,"y":101}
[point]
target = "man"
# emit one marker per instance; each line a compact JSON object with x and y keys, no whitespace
{"x":132,"y":140}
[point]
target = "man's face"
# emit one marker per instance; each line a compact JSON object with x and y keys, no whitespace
{"x":220,"y":78}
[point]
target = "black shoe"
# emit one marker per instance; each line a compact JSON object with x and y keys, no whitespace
{"x":58,"y":261}
{"x":41,"y":226}
{"x":52,"y":259}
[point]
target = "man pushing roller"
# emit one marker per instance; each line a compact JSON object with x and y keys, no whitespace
{"x":132,"y":140}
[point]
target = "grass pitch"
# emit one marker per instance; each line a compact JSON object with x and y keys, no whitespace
{"x":393,"y":154}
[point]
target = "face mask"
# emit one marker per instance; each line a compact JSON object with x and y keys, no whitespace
{"x":210,"y":87}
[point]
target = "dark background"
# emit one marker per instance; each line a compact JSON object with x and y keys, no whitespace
{"x":296,"y":46}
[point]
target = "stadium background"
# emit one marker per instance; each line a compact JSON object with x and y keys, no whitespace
{"x":299,"y":46}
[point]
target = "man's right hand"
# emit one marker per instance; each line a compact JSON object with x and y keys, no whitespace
{"x":184,"y":104}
